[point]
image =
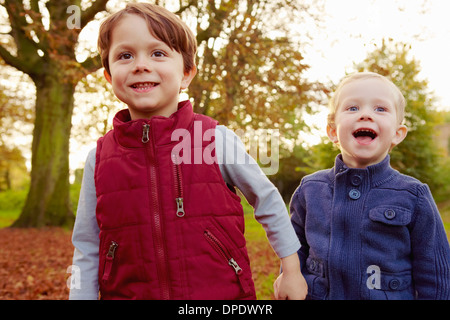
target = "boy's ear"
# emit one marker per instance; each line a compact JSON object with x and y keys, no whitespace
{"x":400,"y":135}
{"x":187,"y":78}
{"x":331,"y":132}
{"x":107,"y":75}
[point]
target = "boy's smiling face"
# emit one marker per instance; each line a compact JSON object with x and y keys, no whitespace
{"x":366,"y":125}
{"x":146,"y":73}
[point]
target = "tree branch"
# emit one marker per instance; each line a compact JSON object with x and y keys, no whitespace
{"x":92,"y":64}
{"x":183,"y":8}
{"x":27,"y":55}
{"x":11,"y":60}
{"x":89,"y":14}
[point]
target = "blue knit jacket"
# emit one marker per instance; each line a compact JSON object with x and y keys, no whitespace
{"x":370,"y":234}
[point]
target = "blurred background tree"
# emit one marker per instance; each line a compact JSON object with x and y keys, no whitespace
{"x":41,"y":44}
{"x":16,"y":117}
{"x":250,"y":69}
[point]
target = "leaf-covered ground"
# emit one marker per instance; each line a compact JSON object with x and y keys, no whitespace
{"x":34,"y":262}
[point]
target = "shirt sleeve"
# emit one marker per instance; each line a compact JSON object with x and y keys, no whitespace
{"x":85,"y":238}
{"x":239,"y":169}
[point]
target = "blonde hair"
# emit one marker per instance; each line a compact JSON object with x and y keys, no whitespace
{"x":163,"y":24}
{"x":400,"y":102}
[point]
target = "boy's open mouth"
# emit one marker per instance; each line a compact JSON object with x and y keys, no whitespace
{"x":144,"y":85}
{"x":364,"y":135}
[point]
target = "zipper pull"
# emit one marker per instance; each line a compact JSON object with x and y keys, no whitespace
{"x":235,"y":266}
{"x":145,"y":131}
{"x":109,"y":260}
{"x":180,"y":207}
{"x":112,"y":250}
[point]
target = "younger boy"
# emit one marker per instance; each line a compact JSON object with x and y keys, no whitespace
{"x":148,"y":225}
{"x":367,"y":231}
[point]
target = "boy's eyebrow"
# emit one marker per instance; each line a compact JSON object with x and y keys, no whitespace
{"x":129,"y":46}
{"x":352,"y":99}
{"x":121,"y":46}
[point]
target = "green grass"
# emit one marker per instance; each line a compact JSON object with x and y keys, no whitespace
{"x":264,"y":262}
{"x":7,"y":217}
{"x":11,"y":202}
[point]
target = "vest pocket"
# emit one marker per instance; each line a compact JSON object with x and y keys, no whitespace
{"x":121,"y":271}
{"x":220,"y":249}
{"x":109,"y":260}
{"x":227,"y":257}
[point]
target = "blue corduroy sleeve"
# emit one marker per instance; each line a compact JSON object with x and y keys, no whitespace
{"x":430,"y":250}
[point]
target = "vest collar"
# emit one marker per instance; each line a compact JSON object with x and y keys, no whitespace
{"x":378,"y":173}
{"x":129,"y":132}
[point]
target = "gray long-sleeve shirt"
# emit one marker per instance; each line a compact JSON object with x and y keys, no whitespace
{"x":238,"y":169}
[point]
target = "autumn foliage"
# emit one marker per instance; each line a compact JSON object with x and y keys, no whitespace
{"x":33,"y":263}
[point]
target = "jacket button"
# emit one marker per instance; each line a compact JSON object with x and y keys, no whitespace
{"x":356,"y":180}
{"x":389,"y":214}
{"x":354,"y":194}
{"x":394,"y":284}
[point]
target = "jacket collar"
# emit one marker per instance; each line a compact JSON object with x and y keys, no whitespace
{"x":378,"y":173}
{"x":129,"y":132}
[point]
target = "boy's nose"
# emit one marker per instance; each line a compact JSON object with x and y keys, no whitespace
{"x":141,"y":66}
{"x":365,"y":116}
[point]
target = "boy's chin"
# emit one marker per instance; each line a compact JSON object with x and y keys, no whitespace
{"x":362,"y":160}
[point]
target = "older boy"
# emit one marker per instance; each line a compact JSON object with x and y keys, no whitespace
{"x":149,"y":226}
{"x":367,"y":231}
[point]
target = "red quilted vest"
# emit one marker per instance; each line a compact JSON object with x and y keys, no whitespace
{"x":168,"y":230}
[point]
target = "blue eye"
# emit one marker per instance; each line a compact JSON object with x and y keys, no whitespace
{"x":380,"y":109}
{"x":353,"y":108}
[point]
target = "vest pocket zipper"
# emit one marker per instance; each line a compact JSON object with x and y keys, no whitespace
{"x":109,"y":260}
{"x":220,"y":249}
{"x":178,"y":187}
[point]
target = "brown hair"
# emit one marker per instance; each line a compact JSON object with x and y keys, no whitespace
{"x":400,"y":102}
{"x":163,"y":24}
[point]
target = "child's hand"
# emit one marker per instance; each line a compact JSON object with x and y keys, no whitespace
{"x":290,"y":284}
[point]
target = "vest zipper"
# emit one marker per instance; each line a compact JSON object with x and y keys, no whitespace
{"x":145,"y":131}
{"x":220,"y":249}
{"x":109,"y":260}
{"x":161,"y":261}
{"x":178,"y":187}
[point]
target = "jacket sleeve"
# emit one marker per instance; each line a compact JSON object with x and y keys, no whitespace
{"x":85,"y":239}
{"x":430,"y":250}
{"x":239,"y":169}
{"x":298,"y":217}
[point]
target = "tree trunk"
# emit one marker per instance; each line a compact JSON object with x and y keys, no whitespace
{"x":48,"y":200}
